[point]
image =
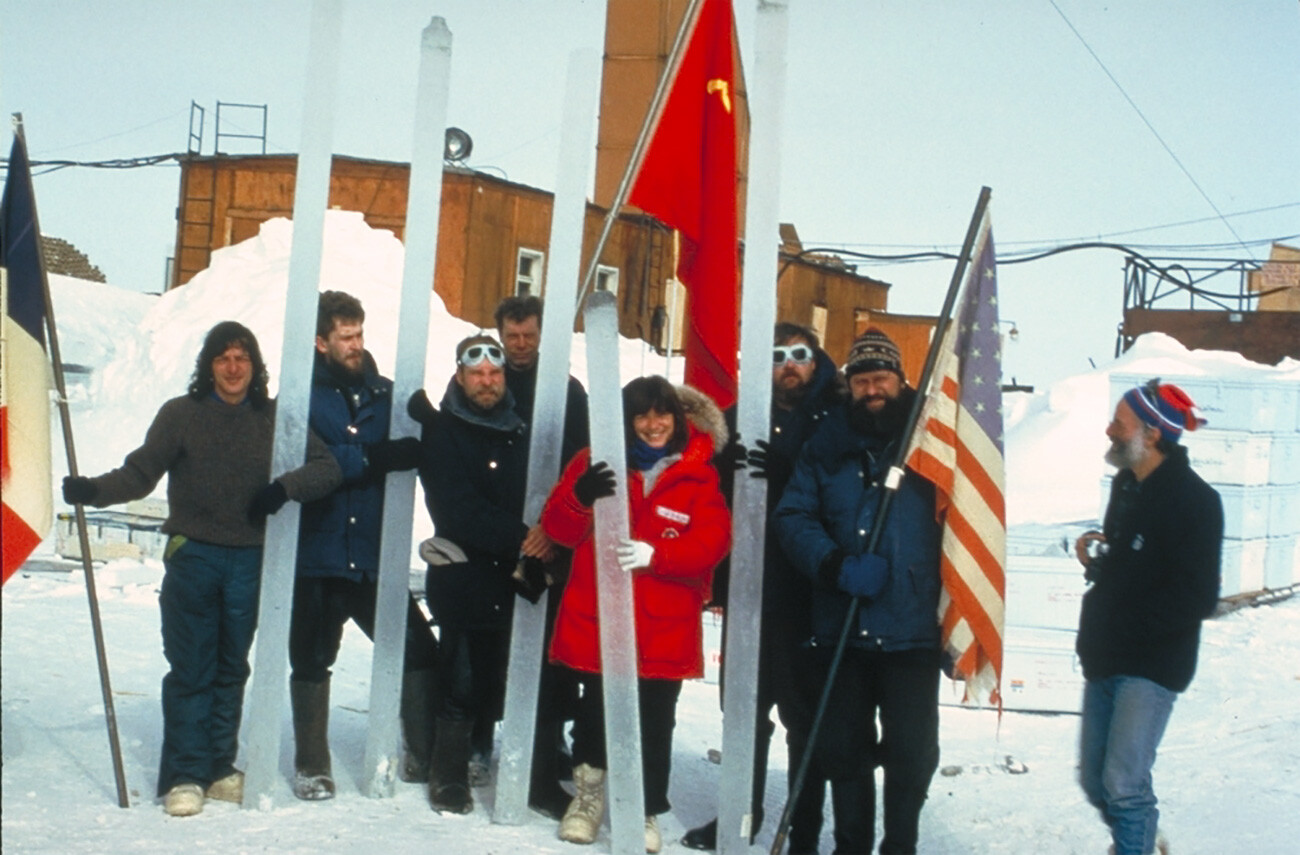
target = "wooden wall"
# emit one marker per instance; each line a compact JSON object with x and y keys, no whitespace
{"x":484,"y":223}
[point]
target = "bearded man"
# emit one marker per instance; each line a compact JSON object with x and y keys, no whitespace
{"x":890,"y":669}
{"x":1154,"y":570}
{"x":337,"y":572}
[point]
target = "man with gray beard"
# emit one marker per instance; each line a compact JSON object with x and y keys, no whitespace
{"x":1154,"y":570}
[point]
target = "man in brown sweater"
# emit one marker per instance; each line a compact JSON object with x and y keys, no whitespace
{"x":214,"y":445}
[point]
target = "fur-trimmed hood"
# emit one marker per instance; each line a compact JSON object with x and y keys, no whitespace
{"x":704,"y":414}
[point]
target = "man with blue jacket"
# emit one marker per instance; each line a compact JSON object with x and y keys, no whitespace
{"x":338,"y":550}
{"x":891,"y":666}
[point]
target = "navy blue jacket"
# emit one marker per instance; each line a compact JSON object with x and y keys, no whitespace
{"x":1158,"y":580}
{"x":830,"y":503}
{"x":474,"y":468}
{"x":339,"y":534}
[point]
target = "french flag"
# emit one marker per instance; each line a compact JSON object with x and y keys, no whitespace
{"x":24,"y":371}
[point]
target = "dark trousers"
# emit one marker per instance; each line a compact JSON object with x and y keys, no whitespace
{"x":903,"y":689}
{"x":208,"y":606}
{"x":658,"y":706}
{"x":321,"y":606}
{"x":783,"y":683}
{"x":472,"y":664}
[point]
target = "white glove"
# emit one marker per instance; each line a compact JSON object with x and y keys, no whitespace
{"x":634,"y":554}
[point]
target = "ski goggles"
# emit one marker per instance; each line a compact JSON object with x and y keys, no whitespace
{"x":799,"y":354}
{"x":476,"y":353}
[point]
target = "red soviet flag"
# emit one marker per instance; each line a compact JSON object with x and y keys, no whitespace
{"x":688,"y":180}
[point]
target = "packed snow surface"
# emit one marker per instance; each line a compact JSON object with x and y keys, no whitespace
{"x":1227,"y":773}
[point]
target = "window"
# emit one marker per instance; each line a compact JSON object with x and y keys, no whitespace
{"x":528,"y":273}
{"x":606,"y":278}
{"x":819,"y":323}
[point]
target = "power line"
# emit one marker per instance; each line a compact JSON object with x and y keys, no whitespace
{"x":1150,"y":126}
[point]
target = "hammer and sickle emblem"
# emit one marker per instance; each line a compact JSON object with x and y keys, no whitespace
{"x":720,"y":86}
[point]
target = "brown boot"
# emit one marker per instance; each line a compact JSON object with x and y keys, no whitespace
{"x":313,"y":779}
{"x":449,"y":790}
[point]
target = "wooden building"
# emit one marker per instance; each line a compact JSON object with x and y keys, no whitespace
{"x":493,"y":242}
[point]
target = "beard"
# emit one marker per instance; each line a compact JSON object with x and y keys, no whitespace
{"x":888,"y":421}
{"x":788,"y":397}
{"x":1126,"y":454}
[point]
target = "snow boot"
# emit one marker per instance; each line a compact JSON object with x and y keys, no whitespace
{"x":313,"y":779}
{"x":449,"y":790}
{"x":228,"y":789}
{"x":582,"y":819}
{"x":183,"y":800}
{"x":545,"y":795}
{"x":418,"y":724}
{"x":654,"y":841}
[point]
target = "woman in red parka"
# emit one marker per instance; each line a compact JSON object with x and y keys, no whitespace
{"x":680,"y":531}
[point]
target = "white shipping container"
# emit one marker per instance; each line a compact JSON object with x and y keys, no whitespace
{"x":1280,"y":561}
{"x":712,"y":647}
{"x":1284,"y":459}
{"x":1040,"y":671}
{"x":1044,"y":592}
{"x":1229,"y":457}
{"x":1284,"y":510}
{"x":1242,"y":565}
{"x":1246,"y":510}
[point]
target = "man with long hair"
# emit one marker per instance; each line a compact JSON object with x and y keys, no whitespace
{"x":214,"y":445}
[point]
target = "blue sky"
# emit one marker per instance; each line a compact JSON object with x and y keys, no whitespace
{"x":896,"y":114}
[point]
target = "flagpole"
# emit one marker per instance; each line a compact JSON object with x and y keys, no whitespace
{"x":648,"y":127}
{"x":69,"y":446}
{"x":882,"y":512}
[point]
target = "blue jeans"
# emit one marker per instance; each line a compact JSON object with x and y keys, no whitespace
{"x":209,"y":612}
{"x":1124,"y":719}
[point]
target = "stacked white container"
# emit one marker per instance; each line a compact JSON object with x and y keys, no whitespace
{"x":1249,"y":451}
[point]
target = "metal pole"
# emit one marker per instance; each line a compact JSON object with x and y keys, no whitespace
{"x":882,"y":513}
{"x":69,"y":446}
{"x":638,"y":151}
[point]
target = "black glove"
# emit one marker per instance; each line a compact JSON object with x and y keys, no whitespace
{"x":732,"y":455}
{"x":393,"y":455}
{"x":421,"y":409}
{"x":529,"y":578}
{"x":596,"y":483}
{"x":765,"y":464}
{"x":79,"y":490}
{"x":268,"y":500}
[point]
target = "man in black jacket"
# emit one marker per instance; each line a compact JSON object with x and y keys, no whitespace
{"x":338,"y":550}
{"x":473,"y":468}
{"x":1154,"y":570}
{"x":519,"y":325}
{"x":805,"y":386}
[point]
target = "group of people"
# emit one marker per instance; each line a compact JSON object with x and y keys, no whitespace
{"x":835,"y":433}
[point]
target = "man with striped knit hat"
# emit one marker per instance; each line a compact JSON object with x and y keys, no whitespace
{"x":1154,"y":574}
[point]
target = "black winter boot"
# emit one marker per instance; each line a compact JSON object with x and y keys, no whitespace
{"x":419,"y":694}
{"x":449,"y":790}
{"x":313,"y":779}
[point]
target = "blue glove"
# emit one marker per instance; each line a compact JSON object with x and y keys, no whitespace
{"x":863,"y":575}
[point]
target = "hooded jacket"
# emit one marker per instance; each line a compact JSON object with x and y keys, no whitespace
{"x":474,"y":468}
{"x":339,"y":534}
{"x":831,"y":503}
{"x":1158,"y":580}
{"x":678,"y":509}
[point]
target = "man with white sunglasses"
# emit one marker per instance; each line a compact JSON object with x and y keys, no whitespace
{"x":805,"y":386}
{"x":474,"y":470}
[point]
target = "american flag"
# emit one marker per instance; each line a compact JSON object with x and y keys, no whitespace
{"x":958,"y":446}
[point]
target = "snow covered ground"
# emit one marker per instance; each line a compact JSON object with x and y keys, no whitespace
{"x":1227,"y":774}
